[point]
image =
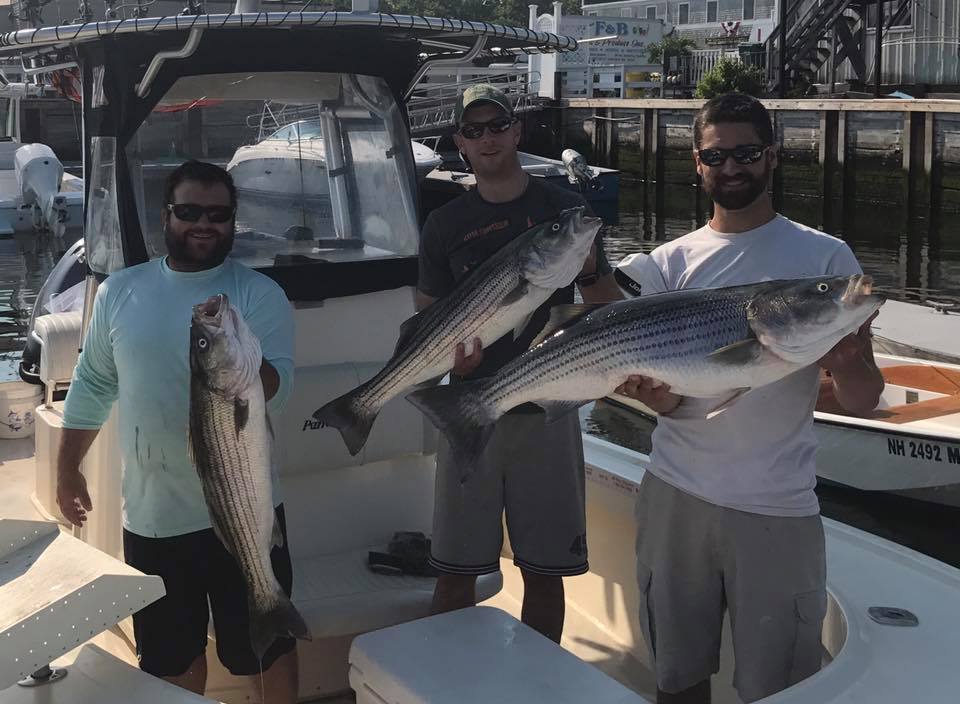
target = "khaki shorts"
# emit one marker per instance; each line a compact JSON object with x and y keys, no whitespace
{"x":534,"y":471}
{"x":696,"y":559}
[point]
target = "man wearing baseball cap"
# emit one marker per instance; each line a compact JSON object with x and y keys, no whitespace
{"x":531,"y":470}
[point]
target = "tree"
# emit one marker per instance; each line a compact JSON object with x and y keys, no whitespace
{"x":731,"y":76}
{"x":674,"y":46}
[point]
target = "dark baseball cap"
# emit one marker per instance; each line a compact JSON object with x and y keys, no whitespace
{"x":481,"y":93}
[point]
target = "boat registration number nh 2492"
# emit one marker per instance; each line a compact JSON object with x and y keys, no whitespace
{"x":923,"y":450}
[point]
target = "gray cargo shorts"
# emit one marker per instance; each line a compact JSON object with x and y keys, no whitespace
{"x":696,"y":559}
{"x":532,"y":470}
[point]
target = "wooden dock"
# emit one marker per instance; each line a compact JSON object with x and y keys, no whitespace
{"x":843,"y":151}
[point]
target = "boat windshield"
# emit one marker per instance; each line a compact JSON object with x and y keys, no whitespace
{"x":322,"y":164}
{"x":304,"y":129}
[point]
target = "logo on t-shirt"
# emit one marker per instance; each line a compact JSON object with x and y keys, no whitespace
{"x":626,"y":282}
{"x":486,"y":230}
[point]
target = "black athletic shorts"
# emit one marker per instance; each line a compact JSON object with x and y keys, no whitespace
{"x":172,"y":632}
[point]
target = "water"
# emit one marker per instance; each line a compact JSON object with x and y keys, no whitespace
{"x":26,"y":260}
{"x":911,"y":259}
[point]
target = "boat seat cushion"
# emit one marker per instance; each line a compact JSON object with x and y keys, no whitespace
{"x":59,"y":334}
{"x":304,"y":446}
{"x":474,"y":656}
{"x":337,"y":594}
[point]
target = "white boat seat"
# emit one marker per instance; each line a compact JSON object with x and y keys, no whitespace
{"x":474,"y":656}
{"x":339,"y":595}
{"x":59,"y":334}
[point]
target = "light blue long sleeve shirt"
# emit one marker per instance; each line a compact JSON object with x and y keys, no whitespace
{"x":136,"y":352}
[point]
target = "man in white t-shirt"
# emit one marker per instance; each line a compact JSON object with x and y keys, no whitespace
{"x":727,"y":513}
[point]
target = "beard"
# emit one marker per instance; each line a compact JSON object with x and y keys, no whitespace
{"x":737,"y":198}
{"x":179,"y":250}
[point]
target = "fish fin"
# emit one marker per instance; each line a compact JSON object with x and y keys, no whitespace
{"x":727,"y":402}
{"x":516,"y":294}
{"x":738,"y":353}
{"x":241,"y":414}
{"x":276,"y":540}
{"x":408,"y":328}
{"x":562,"y":317}
{"x":354,"y":426}
{"x":557,"y":409}
{"x":456,"y":411}
{"x":520,"y":327}
{"x":279,"y":620}
{"x":430,"y":383}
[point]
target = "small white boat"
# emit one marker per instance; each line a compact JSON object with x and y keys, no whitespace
{"x":909,"y":445}
{"x":603,"y":190}
{"x":293,"y":160}
{"x":929,"y":330}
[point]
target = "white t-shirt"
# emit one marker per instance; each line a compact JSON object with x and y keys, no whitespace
{"x":758,"y":455}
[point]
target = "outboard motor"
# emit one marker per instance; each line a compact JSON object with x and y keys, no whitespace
{"x":67,"y":278}
{"x":39,"y":174}
{"x":579,"y":172}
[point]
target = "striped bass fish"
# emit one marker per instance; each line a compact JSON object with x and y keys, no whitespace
{"x":230,"y":443}
{"x":500,"y":295}
{"x":712,"y":343}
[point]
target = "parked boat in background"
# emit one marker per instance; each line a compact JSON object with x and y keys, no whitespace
{"x":929,"y":330}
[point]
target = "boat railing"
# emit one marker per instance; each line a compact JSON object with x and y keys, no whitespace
{"x":431,"y":104}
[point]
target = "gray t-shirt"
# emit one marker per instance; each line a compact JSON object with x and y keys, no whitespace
{"x":759,"y":454}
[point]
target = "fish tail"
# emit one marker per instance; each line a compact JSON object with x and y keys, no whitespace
{"x":280,"y":620}
{"x":354,"y":420}
{"x":458,"y":411}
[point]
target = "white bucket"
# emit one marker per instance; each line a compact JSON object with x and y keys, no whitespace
{"x":18,"y":401}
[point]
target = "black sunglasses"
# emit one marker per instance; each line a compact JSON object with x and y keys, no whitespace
{"x":190,"y":212}
{"x":498,"y":125}
{"x":745,"y":154}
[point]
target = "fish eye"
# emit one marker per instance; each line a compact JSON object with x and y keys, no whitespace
{"x":822,"y":287}
{"x":202,"y":343}
{"x":555,"y":227}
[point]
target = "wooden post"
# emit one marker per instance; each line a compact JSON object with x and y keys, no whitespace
{"x":609,"y":153}
{"x":929,"y":133}
{"x":841,"y":155}
{"x":908,"y":147}
{"x":649,"y":144}
{"x":878,"y":51}
{"x":778,"y":172}
{"x":597,"y":140}
{"x":658,"y":165}
{"x":827,"y":156}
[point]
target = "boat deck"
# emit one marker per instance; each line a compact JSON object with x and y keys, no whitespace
{"x":915,"y":393}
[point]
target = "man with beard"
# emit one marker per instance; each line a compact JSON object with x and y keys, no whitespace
{"x":727,"y":515}
{"x":136,"y":351}
{"x":531,"y":470}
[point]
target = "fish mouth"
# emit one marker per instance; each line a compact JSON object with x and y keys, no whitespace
{"x":211,"y":310}
{"x":859,"y":288}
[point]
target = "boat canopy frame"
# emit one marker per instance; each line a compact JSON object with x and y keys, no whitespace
{"x":123,"y":81}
